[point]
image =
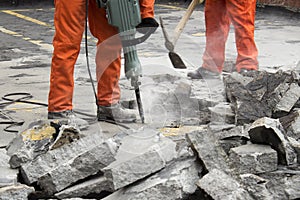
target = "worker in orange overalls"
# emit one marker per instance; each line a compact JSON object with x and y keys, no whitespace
{"x":218,"y":16}
{"x":69,"y":21}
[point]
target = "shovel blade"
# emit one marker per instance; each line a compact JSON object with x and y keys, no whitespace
{"x":176,"y":61}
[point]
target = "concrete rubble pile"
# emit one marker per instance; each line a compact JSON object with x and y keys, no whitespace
{"x":237,"y":138}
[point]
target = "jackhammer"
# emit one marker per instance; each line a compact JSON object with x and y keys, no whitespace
{"x":125,"y":15}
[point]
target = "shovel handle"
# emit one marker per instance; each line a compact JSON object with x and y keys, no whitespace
{"x":180,"y":26}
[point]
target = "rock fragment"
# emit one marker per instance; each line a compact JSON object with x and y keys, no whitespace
{"x":252,"y":158}
{"x":270,"y":131}
{"x":221,"y":186}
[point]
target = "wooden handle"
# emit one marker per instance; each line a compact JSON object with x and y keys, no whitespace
{"x":180,"y":26}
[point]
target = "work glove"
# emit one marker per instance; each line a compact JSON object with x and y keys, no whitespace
{"x":147,"y":24}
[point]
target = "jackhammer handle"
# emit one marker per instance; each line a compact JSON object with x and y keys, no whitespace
{"x":180,"y":26}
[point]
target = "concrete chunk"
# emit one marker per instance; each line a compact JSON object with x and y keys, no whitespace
{"x":78,"y":168}
{"x":270,"y":131}
{"x":289,"y":99}
{"x":209,"y":151}
{"x":139,"y":155}
{"x":175,"y":182}
{"x":221,"y":186}
{"x":253,"y":158}
{"x":45,"y":163}
{"x":256,"y":186}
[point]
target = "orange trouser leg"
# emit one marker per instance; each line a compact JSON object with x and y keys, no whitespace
{"x":217,"y":27}
{"x":108,"y":56}
{"x":147,"y":8}
{"x":242,"y":14}
{"x":69,"y":27}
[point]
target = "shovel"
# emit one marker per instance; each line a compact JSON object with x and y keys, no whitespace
{"x":174,"y":57}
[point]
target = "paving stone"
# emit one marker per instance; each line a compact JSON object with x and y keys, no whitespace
{"x":64,"y":157}
{"x":16,"y":192}
{"x":253,"y":158}
{"x":221,"y":186}
{"x":270,"y":131}
{"x":174,"y":182}
{"x":94,"y":185}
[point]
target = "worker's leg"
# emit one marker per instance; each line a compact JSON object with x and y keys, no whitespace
{"x":217,"y":27}
{"x":147,"y":8}
{"x":108,"y":63}
{"x":108,"y":59}
{"x":69,"y":27}
{"x":242,"y":14}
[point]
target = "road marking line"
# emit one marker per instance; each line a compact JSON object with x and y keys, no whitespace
{"x":44,"y":46}
{"x":26,"y":18}
{"x":169,"y":6}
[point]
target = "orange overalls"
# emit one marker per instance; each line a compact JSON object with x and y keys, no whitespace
{"x":69,"y":22}
{"x":218,"y":16}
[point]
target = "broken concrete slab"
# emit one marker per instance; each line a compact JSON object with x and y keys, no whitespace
{"x":174,"y":182}
{"x":140,"y":154}
{"x":253,"y":158}
{"x":256,"y":186}
{"x":83,"y":165}
{"x":209,"y":150}
{"x":92,"y":186}
{"x":270,"y":131}
{"x":65,"y":156}
{"x":257,"y":96}
{"x":16,"y":192}
{"x":30,"y":143}
{"x":220,"y":186}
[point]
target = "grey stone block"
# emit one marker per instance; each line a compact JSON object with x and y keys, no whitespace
{"x":221,"y":186}
{"x":140,"y":154}
{"x":83,"y":165}
{"x":69,"y":153}
{"x":270,"y":131}
{"x":209,"y":150}
{"x":174,"y":182}
{"x":256,"y":186}
{"x":289,"y":99}
{"x":253,"y":158}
